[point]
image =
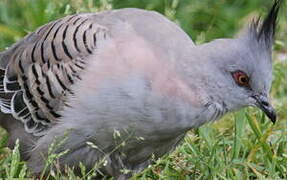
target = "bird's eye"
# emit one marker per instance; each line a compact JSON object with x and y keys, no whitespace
{"x":241,"y":78}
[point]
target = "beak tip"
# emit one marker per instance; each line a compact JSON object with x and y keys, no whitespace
{"x":272,"y":115}
{"x":273,"y":118}
{"x":265,"y":106}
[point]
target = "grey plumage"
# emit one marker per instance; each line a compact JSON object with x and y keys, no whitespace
{"x":127,"y":75}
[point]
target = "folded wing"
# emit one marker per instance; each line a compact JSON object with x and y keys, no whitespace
{"x":40,"y":70}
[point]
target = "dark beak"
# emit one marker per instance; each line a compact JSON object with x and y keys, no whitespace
{"x":263,"y":103}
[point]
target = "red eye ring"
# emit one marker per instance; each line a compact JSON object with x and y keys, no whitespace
{"x":241,"y":78}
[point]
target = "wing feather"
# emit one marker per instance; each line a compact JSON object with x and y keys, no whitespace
{"x":41,"y":68}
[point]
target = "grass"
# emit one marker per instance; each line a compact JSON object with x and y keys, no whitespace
{"x":243,"y":145}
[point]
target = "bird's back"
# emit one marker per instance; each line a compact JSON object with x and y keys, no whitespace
{"x":41,"y":69}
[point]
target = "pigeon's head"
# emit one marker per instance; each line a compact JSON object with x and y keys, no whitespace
{"x":242,"y":67}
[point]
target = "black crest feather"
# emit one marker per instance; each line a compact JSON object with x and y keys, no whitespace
{"x":265,"y":31}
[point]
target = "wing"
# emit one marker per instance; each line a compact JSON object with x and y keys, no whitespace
{"x":38,"y":71}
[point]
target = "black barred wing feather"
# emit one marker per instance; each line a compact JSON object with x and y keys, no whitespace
{"x":40,"y":70}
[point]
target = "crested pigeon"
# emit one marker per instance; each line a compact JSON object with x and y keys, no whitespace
{"x":129,"y":81}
